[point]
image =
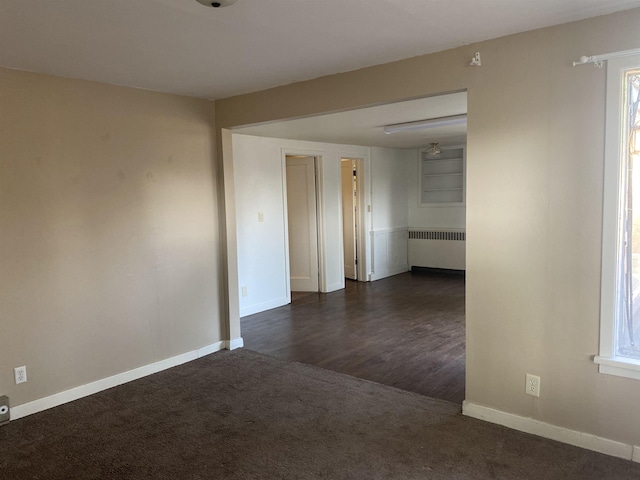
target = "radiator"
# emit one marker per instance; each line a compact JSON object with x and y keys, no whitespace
{"x":437,"y":249}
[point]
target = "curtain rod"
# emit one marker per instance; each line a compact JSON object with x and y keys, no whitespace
{"x":598,"y":59}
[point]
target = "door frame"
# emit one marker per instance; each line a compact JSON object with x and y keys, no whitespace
{"x":363,"y":192}
{"x":317,"y":163}
{"x":352,"y":166}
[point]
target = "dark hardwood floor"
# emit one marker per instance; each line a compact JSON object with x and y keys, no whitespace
{"x":406,"y":331}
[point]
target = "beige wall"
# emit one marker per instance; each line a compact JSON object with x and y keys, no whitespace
{"x":534,"y":193}
{"x":108,"y":231}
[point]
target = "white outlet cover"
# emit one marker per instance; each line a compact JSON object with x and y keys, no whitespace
{"x":532,"y":385}
{"x":20,"y":374}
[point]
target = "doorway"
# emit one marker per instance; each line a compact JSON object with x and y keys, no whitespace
{"x":302,"y":219}
{"x":389,"y":211}
{"x":350,"y":209}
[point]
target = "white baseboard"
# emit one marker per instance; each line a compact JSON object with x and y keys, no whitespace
{"x":209,"y":349}
{"x":334,"y":287}
{"x":261,"y":307}
{"x":233,"y":344}
{"x":389,"y":272}
{"x":76,"y":393}
{"x":553,"y":432}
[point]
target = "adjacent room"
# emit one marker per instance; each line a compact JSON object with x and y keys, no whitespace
{"x":144,"y":217}
{"x":405,"y":211}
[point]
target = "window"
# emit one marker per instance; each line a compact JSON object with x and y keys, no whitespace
{"x":620,"y":289}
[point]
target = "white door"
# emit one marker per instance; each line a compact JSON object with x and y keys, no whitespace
{"x":303,"y":226}
{"x":349,"y":219}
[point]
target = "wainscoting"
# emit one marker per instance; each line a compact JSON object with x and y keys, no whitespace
{"x":389,"y":252}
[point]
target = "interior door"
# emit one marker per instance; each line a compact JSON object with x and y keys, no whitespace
{"x":303,"y":224}
{"x":349,"y":219}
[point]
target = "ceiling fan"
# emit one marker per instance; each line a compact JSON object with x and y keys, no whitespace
{"x":434,"y":150}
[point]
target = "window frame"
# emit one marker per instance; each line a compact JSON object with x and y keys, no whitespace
{"x":608,"y":360}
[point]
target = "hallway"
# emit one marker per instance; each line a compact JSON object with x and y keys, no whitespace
{"x":406,"y":331}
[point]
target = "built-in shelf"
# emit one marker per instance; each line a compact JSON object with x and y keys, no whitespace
{"x":440,"y":174}
{"x":442,"y":177}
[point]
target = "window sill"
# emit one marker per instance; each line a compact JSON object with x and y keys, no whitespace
{"x":619,"y":366}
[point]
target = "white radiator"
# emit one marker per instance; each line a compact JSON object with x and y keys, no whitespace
{"x":437,"y":249}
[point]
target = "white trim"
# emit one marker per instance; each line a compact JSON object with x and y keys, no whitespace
{"x":341,"y":217}
{"x":390,"y":230}
{"x":610,"y":216}
{"x":76,"y":393}
{"x":636,"y":454}
{"x":363,"y":192}
{"x":320,"y":222}
{"x":621,"y":367}
{"x":204,"y":351}
{"x":234,"y":343}
{"x":553,"y":432}
{"x":261,"y":307}
{"x":285,"y":222}
{"x":334,"y":287}
{"x":389,"y":272}
{"x":379,"y":272}
{"x":438,"y":229}
{"x":363,"y":246}
{"x":611,"y":225}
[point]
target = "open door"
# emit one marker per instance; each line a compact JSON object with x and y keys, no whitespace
{"x":349,"y":229}
{"x":303,"y":223}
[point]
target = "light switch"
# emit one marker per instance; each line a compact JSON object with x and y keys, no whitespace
{"x":260,"y":217}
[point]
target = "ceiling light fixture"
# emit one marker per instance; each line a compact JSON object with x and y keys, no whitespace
{"x":423,"y":124}
{"x":218,"y":4}
{"x":434,"y":150}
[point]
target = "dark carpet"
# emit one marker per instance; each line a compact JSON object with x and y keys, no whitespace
{"x":243,"y":415}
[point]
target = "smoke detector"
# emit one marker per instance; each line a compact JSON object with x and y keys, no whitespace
{"x":218,"y":4}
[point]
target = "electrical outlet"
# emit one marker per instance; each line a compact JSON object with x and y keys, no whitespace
{"x":532,"y":386}
{"x":5,"y":413}
{"x":20,"y":374}
{"x":244,"y":291}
